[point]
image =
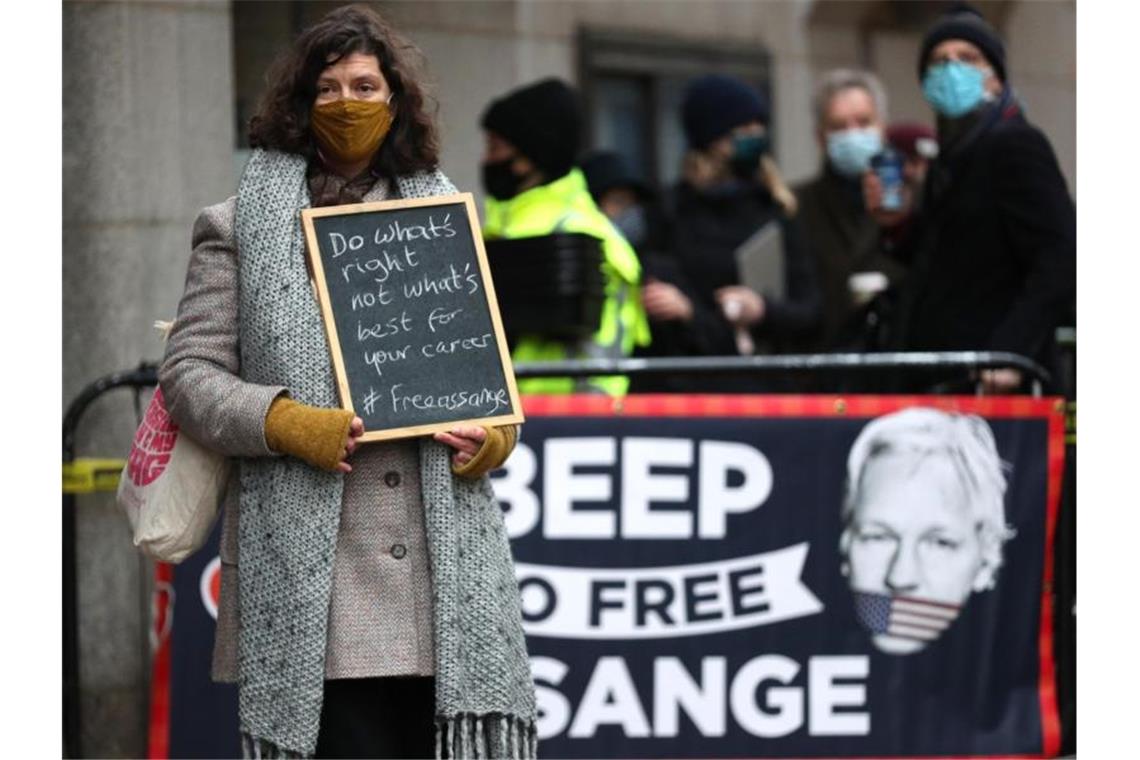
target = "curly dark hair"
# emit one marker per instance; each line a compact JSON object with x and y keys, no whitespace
{"x":281,"y":121}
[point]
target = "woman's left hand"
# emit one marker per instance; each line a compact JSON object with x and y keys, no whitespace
{"x":466,"y":442}
{"x":741,"y":305}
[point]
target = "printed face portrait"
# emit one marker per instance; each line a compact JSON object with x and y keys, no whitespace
{"x":917,"y":542}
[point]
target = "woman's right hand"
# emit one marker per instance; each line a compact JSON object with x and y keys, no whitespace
{"x":664,"y":302}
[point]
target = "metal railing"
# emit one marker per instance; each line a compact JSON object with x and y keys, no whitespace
{"x":921,"y":361}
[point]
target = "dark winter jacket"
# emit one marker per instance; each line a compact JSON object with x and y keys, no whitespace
{"x":694,"y":248}
{"x":993,"y":253}
{"x":706,"y":229}
{"x":843,"y":239}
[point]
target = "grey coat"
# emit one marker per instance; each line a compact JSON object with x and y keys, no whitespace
{"x":380,"y":621}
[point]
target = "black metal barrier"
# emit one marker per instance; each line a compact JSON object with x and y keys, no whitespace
{"x":910,"y":362}
{"x":145,"y":376}
{"x":140,"y":378}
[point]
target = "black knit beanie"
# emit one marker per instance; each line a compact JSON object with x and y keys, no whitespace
{"x":716,"y":104}
{"x":606,"y":169}
{"x":964,"y":22}
{"x":543,"y":121}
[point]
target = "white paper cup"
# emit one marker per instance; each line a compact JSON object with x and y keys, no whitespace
{"x":866,"y":285}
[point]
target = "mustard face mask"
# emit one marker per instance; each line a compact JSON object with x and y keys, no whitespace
{"x":350,"y":130}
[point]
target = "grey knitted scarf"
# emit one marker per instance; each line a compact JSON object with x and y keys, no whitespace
{"x":290,"y":513}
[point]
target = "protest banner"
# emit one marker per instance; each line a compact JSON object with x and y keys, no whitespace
{"x":761,"y":576}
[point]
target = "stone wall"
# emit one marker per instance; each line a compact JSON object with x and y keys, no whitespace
{"x":147,"y":141}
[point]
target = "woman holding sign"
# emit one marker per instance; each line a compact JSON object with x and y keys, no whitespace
{"x":376,"y":612}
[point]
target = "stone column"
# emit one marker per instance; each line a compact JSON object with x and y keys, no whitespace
{"x":148,"y":139}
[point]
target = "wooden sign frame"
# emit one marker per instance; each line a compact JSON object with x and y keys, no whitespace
{"x":317,"y":271}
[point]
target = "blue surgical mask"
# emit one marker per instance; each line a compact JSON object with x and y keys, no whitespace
{"x":632,"y":224}
{"x":850,"y":150}
{"x":954,"y":88}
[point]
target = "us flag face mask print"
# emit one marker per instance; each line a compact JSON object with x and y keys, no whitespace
{"x":902,"y":624}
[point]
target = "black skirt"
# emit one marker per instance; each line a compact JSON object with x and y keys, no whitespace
{"x":378,"y":718}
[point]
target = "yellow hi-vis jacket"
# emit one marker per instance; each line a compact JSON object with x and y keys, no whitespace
{"x":565,"y":205}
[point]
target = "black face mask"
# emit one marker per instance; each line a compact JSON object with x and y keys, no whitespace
{"x":499,"y":181}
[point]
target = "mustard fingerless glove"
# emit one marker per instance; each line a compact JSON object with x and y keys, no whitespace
{"x":497,"y":446}
{"x":311,"y":434}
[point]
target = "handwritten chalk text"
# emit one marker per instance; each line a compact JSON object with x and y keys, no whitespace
{"x":481,"y":397}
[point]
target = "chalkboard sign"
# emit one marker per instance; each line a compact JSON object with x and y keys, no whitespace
{"x":410,"y":315}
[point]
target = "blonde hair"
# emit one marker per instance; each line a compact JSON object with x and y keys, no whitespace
{"x":699,"y":171}
{"x":774,"y":181}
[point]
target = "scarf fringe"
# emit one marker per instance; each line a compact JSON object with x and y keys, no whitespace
{"x":253,"y":748}
{"x":468,"y":736}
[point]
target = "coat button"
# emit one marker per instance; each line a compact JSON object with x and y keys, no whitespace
{"x":392,"y":479}
{"x":399,"y":550}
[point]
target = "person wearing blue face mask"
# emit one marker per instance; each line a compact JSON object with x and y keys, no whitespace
{"x":992,"y":247}
{"x":850,"y":113}
{"x":731,"y":189}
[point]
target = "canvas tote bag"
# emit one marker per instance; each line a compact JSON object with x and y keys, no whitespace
{"x":171,"y":487}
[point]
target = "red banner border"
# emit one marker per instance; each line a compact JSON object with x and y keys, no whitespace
{"x":158,"y":733}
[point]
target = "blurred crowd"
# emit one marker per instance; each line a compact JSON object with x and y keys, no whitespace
{"x":910,"y":238}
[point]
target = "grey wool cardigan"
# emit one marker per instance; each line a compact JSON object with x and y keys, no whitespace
{"x":399,"y":595}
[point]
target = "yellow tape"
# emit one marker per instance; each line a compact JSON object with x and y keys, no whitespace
{"x":91,"y":475}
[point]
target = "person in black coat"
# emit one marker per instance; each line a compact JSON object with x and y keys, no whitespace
{"x":731,"y":189}
{"x":992,"y":250}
